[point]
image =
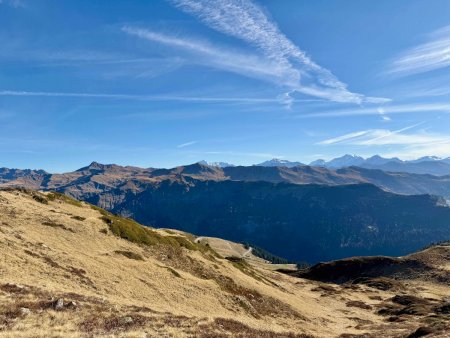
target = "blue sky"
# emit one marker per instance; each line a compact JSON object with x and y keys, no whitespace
{"x":162,"y":83}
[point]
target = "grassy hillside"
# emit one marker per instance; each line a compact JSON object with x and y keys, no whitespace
{"x":69,"y":269}
{"x":115,"y":276}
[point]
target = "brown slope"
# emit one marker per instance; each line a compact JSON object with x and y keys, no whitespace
{"x":404,"y":278}
{"x":431,"y":264}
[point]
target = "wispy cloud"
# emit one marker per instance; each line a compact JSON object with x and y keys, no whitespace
{"x":440,"y":149}
{"x":346,"y":137}
{"x":432,"y":87}
{"x":431,"y":55}
{"x":140,"y":97}
{"x":246,"y":64}
{"x":91,"y":62}
{"x":385,"y":137}
{"x":409,"y":144}
{"x":282,"y":61}
{"x":187,"y":144}
{"x":383,"y":114}
{"x":390,"y":109}
{"x":13,"y":3}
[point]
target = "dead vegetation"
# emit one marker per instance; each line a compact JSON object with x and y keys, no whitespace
{"x":326,"y":290}
{"x":96,"y":317}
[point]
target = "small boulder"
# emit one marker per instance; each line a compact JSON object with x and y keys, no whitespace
{"x":15,"y":286}
{"x":58,"y":305}
{"x":126,"y":320}
{"x":24,"y":311}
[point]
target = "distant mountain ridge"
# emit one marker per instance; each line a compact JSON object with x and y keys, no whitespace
{"x":432,"y":165}
{"x":217,"y":164}
{"x":97,"y":178}
{"x":276,"y":162}
{"x":425,"y":165}
{"x":27,"y":177}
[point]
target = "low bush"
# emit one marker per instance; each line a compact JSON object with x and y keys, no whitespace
{"x":52,"y":196}
{"x":358,"y":304}
{"x":56,"y":225}
{"x":40,"y":198}
{"x":132,"y":231}
{"x":130,"y":255}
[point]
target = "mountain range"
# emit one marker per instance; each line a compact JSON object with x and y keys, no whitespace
{"x":432,"y":165}
{"x":97,"y":177}
{"x":301,"y":213}
{"x":426,"y":165}
{"x":276,"y":162}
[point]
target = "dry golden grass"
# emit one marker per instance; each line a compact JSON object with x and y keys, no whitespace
{"x":55,"y":248}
